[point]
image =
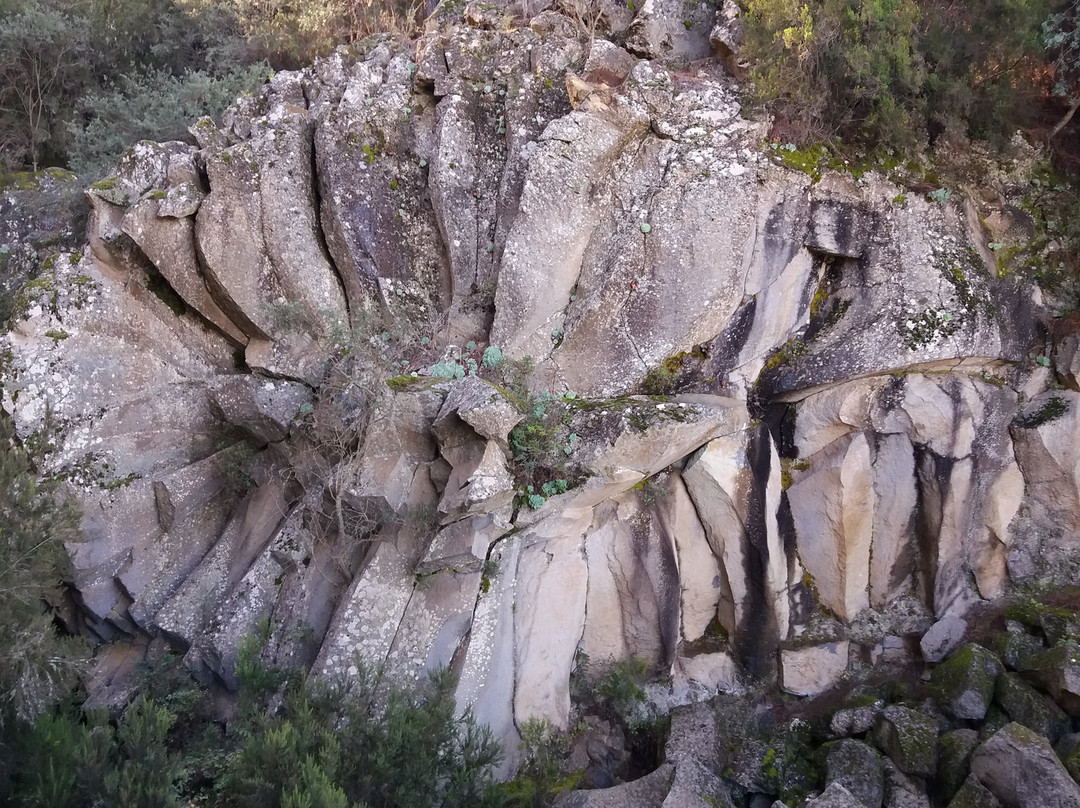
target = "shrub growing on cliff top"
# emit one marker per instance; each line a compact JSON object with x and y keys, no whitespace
{"x":891,"y":72}
{"x":152,"y":104}
{"x":839,"y":67}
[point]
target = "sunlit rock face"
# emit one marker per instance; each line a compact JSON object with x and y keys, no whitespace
{"x":286,"y":380}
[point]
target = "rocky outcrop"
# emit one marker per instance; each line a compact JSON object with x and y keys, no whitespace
{"x":768,"y":419}
{"x":41,"y":215}
{"x":1020,"y":769}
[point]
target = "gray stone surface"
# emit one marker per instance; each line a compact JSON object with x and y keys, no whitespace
{"x":1020,"y":768}
{"x":943,"y":638}
{"x":840,"y":377}
{"x":1057,"y":670}
{"x":964,"y":685}
{"x":909,"y":738}
{"x":835,"y":796}
{"x":859,"y":769}
{"x":646,"y":792}
{"x":692,"y":747}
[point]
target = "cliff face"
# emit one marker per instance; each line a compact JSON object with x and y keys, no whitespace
{"x":850,"y":433}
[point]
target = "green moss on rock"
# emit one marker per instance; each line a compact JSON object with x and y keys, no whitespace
{"x":963,"y":685}
{"x":973,"y":794}
{"x":407,"y":383}
{"x":1015,"y":648}
{"x":954,"y":761}
{"x":1057,"y":671}
{"x":1025,"y":705}
{"x":909,"y":738}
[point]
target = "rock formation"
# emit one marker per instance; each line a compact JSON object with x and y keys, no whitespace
{"x":763,"y":407}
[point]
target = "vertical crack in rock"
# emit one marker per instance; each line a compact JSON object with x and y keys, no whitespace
{"x":758,"y":632}
{"x":320,"y":233}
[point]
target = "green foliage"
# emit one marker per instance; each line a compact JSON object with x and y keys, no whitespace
{"x":652,"y":489}
{"x":941,"y":196}
{"x":413,"y":751}
{"x":234,"y":462}
{"x":448,"y":370}
{"x":74,"y":758}
{"x":150,"y":104}
{"x":1060,"y":34}
{"x":890,"y":72}
{"x":80,"y":81}
{"x":38,"y":665}
{"x":147,"y":778}
{"x":64,"y":758}
{"x":284,"y":761}
{"x":366,"y":742}
{"x":38,"y":42}
{"x":493,"y":356}
{"x":539,"y":779}
{"x":542,"y":447}
{"x":314,"y":790}
{"x":1052,"y":256}
{"x":983,"y":61}
{"x":293,"y":744}
{"x":837,"y":67}
{"x":256,"y":680}
{"x":619,"y":690}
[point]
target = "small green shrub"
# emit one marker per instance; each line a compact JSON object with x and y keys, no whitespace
{"x":539,"y":779}
{"x":150,"y":104}
{"x":448,"y":370}
{"x":234,"y":465}
{"x":889,"y":72}
{"x":493,"y":356}
{"x":618,"y":692}
{"x":941,"y":196}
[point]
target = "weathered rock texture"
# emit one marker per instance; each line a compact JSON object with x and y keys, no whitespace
{"x":859,"y":419}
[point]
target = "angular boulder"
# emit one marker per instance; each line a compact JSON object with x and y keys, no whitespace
{"x":909,"y":738}
{"x":1021,"y":770}
{"x":1027,"y":706}
{"x":835,"y":796}
{"x":964,"y":685}
{"x":858,"y":768}
{"x":943,"y":638}
{"x":1057,"y":671}
{"x":813,"y":669}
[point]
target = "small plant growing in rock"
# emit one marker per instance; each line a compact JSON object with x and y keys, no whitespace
{"x":539,"y":779}
{"x":652,"y":489}
{"x":234,"y":464}
{"x":493,"y":357}
{"x":619,"y":691}
{"x":941,"y":196}
{"x":448,"y":370}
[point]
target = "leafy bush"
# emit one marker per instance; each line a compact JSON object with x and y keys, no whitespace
{"x":80,"y":82}
{"x":39,"y":665}
{"x":293,"y":743}
{"x":148,"y":774}
{"x":619,"y":690}
{"x":836,"y":67}
{"x":150,"y":104}
{"x":892,"y":73}
{"x":73,"y":758}
{"x":539,"y":779}
{"x":38,"y":42}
